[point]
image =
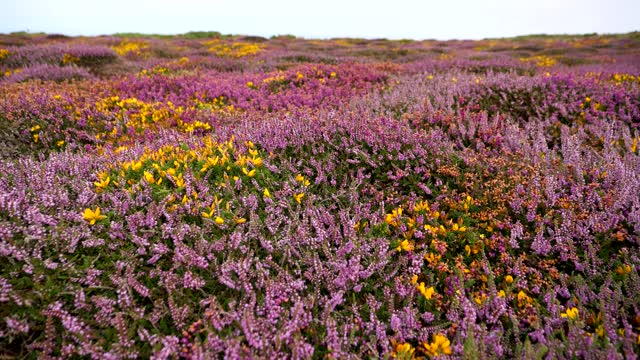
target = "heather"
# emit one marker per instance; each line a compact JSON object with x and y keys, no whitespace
{"x":212,"y":196}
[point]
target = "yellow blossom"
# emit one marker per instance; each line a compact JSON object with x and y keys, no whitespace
{"x":571,"y":313}
{"x":414,"y":279}
{"x":249,"y":173}
{"x":403,"y":351}
{"x":180,"y":181}
{"x":421,"y":206}
{"x":508,"y":279}
{"x":93,"y":215}
{"x":102,"y":184}
{"x":207,"y":215}
{"x":623,"y":269}
{"x":432,"y":258}
{"x":266,"y":193}
{"x":439,"y":346}
{"x":393,"y":219}
{"x":302,"y":180}
{"x":480,"y":299}
{"x":411,"y":223}
{"x":405,"y":245}
{"x":149,"y":177}
{"x":298,"y":197}
{"x":523,"y":298}
{"x":136,"y":165}
{"x":219,"y":220}
{"x":427,"y":292}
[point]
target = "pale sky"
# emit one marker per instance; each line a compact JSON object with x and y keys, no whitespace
{"x":392,"y":19}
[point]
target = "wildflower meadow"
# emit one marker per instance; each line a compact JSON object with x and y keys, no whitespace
{"x":206,"y":196}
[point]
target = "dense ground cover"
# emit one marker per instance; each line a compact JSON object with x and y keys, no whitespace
{"x":205,"y":196}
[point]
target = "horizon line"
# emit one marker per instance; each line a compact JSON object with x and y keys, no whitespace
{"x":215,"y":33}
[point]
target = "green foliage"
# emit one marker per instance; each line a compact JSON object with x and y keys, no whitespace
{"x":202,"y":35}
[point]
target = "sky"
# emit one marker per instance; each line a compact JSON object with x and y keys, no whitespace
{"x":391,"y":19}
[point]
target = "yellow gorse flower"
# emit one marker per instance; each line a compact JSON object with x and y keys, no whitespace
{"x":523,"y":298}
{"x":249,"y":173}
{"x":204,"y":214}
{"x":126,"y":47}
{"x":298,"y":197}
{"x":302,"y":180}
{"x":426,"y":292}
{"x":540,"y":60}
{"x":393,"y":219}
{"x":403,"y":351}
{"x":421,"y":206}
{"x":405,"y":245}
{"x":102,"y":184}
{"x":149,"y":177}
{"x":414,"y":279}
{"x":93,"y":215}
{"x":439,"y":346}
{"x":180,"y":181}
{"x":432,"y":258}
{"x":571,"y":313}
{"x":236,"y":49}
